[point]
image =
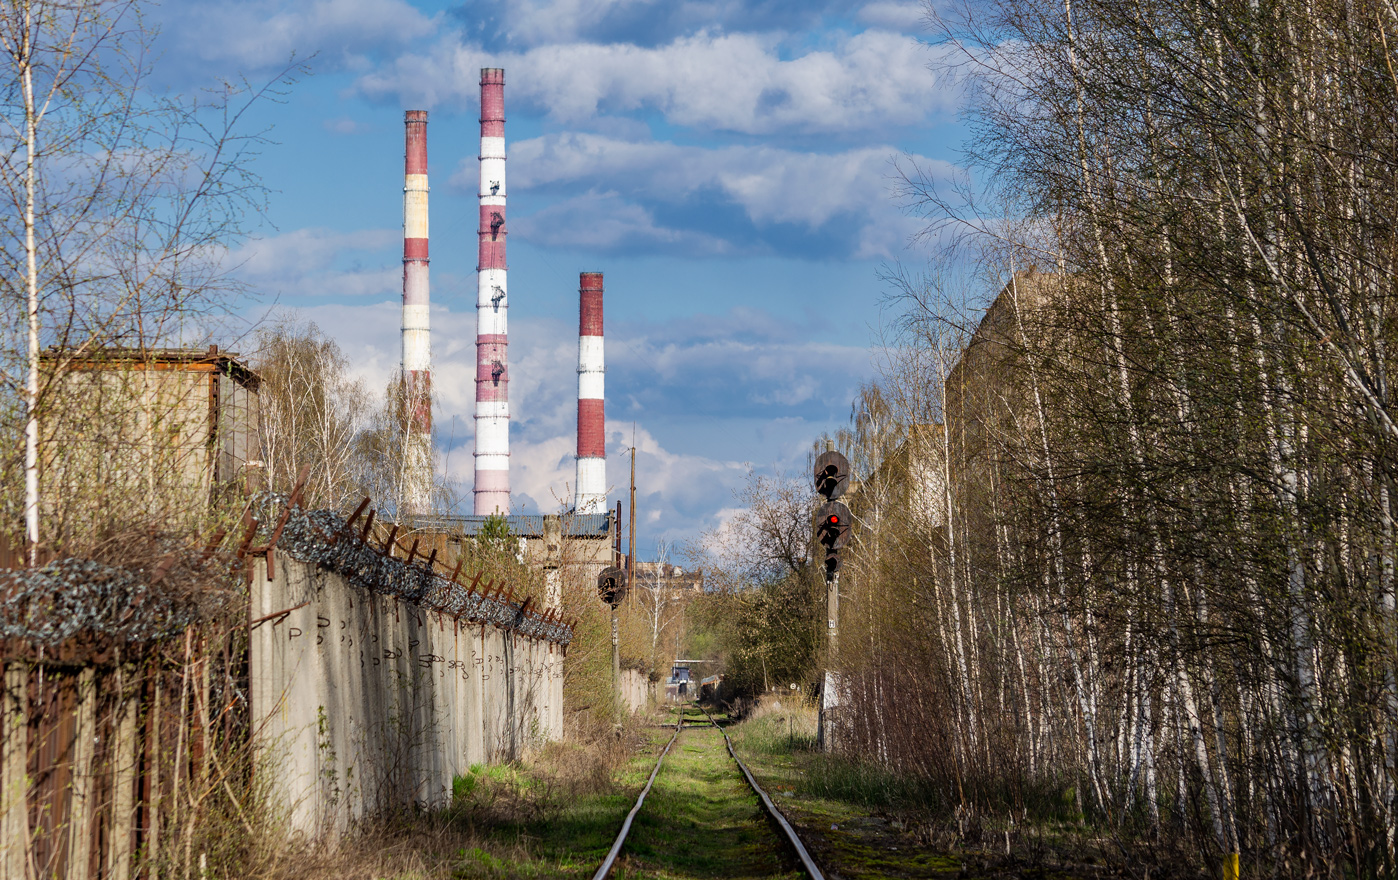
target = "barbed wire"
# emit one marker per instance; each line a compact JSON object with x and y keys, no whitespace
{"x":73,"y":597}
{"x":325,"y":539}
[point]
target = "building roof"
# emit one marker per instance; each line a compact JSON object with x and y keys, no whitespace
{"x":108,"y":357}
{"x":581,"y":525}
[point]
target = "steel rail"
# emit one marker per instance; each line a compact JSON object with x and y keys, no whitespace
{"x":607,"y":863}
{"x":806,"y":861}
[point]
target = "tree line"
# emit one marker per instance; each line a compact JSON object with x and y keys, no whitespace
{"x":1125,"y":544}
{"x":1131,"y":528}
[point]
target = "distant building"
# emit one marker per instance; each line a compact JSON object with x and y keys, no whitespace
{"x":582,"y":539}
{"x":166,"y":429}
{"x":664,"y":575}
{"x":911,"y":480}
{"x":678,"y":684}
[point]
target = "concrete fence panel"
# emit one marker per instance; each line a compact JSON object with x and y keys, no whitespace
{"x":368,"y":696}
{"x":637,"y":690}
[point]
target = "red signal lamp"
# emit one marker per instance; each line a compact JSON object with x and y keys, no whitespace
{"x":833,"y":525}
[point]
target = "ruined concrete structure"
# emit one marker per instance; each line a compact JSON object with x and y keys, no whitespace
{"x":167,"y":429}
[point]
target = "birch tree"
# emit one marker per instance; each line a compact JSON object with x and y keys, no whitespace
{"x":1180,"y":445}
{"x":120,"y":203}
{"x":311,"y":412}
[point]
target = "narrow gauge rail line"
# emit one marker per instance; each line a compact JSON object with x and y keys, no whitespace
{"x":806,"y":861}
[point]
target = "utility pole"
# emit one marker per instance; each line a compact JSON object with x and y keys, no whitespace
{"x":832,"y":531}
{"x":832,"y":612}
{"x":616,"y":655}
{"x":611,"y":588}
{"x":616,"y":539}
{"x":615,"y":601}
{"x":631,"y":524}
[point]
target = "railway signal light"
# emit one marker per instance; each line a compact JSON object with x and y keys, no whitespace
{"x":833,"y":523}
{"x":832,"y":563}
{"x":831,"y":474}
{"x":833,"y":527}
{"x":611,"y":586}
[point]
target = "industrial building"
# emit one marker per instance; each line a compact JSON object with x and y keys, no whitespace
{"x":166,"y":429}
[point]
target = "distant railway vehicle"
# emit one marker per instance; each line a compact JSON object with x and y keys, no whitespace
{"x":677,"y":686}
{"x":708,"y":687}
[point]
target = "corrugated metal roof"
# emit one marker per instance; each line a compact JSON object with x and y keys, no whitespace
{"x":584,"y":525}
{"x":154,"y":358}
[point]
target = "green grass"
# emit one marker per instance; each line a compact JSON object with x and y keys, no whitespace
{"x":860,"y":821}
{"x":843,"y":811}
{"x":786,"y":739}
{"x":702,"y":820}
{"x":518,"y":828}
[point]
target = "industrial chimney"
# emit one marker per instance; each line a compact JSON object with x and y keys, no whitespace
{"x":590,"y":494}
{"x":492,"y":488}
{"x":417,"y":348}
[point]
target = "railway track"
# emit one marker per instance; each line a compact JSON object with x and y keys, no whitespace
{"x":788,"y":833}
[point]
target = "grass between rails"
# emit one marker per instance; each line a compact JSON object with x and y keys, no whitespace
{"x":861,"y":821}
{"x":701,"y":819}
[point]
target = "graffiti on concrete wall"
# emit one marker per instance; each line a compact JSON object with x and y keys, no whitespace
{"x":375,"y":682}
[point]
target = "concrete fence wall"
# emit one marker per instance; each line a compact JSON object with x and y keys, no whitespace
{"x":637,"y":690}
{"x":364,"y":701}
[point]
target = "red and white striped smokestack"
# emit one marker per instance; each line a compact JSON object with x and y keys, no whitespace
{"x":492,"y":489}
{"x":590,"y":494}
{"x":417,"y":348}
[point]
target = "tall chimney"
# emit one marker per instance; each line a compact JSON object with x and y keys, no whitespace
{"x":492,"y":489}
{"x":417,"y":348}
{"x":590,"y":494}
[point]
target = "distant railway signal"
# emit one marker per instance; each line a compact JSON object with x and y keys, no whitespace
{"x":831,"y":474}
{"x":611,"y":586}
{"x":833,"y":524}
{"x":833,"y":527}
{"x":832,"y":563}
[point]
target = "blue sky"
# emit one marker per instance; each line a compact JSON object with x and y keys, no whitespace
{"x":728,"y":164}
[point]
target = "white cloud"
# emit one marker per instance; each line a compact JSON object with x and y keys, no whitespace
{"x":908,"y":15}
{"x":771,"y":185}
{"x":707,"y":81}
{"x":604,"y":221}
{"x":321,"y":262}
{"x":256,"y":34}
{"x":674,"y":373}
{"x":346,"y":125}
{"x":676,"y":493}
